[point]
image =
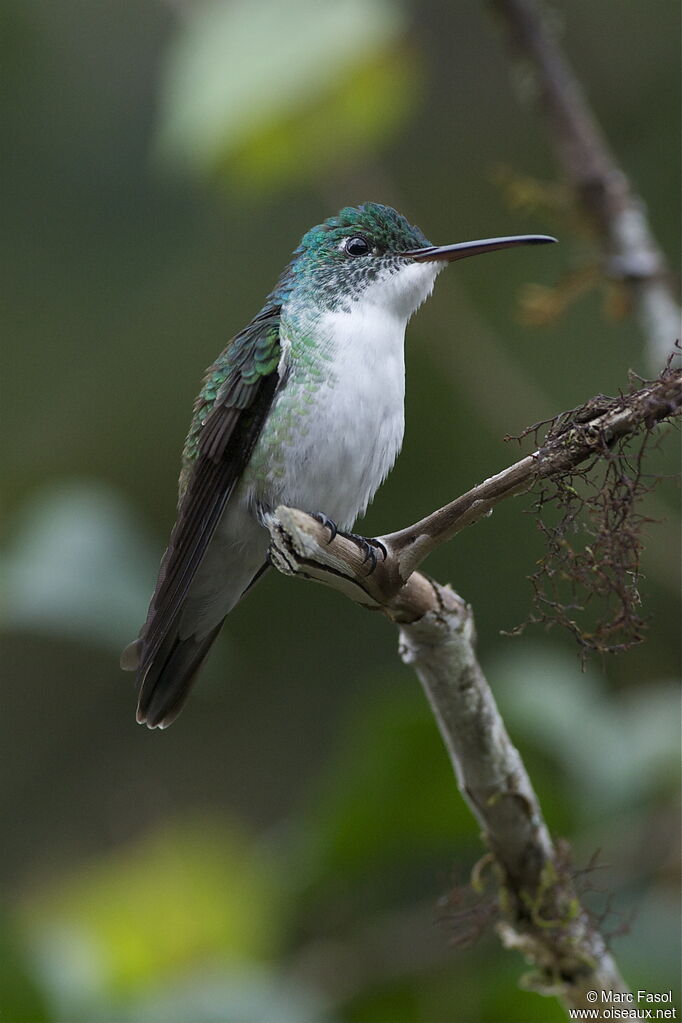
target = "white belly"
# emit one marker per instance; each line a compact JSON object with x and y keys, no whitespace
{"x":339,"y":421}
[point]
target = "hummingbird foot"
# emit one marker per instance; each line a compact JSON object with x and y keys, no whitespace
{"x":328,"y":523}
{"x":367,"y":544}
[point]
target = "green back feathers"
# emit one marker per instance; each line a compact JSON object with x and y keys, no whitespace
{"x":232,"y":380}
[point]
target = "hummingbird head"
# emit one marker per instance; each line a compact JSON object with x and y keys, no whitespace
{"x":372,"y":254}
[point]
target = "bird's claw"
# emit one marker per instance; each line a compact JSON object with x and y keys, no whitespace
{"x":328,"y":523}
{"x":367,"y":544}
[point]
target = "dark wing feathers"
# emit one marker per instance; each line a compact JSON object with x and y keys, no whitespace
{"x":229,"y":415}
{"x":217,"y":431}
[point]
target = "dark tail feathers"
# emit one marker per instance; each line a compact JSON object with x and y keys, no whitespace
{"x":169,"y":678}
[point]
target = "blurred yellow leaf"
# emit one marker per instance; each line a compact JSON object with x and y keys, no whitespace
{"x":181,"y":896}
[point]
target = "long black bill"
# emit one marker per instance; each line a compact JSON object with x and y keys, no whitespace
{"x":460,"y":250}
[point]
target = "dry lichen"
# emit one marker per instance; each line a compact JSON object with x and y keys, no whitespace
{"x":587,"y":580}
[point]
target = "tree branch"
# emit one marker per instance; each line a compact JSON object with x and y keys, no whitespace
{"x":585,"y":432}
{"x":540,"y":911}
{"x":541,"y":915}
{"x":602,"y":189}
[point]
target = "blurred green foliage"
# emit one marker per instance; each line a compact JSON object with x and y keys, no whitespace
{"x":78,"y":565}
{"x":182,"y":894}
{"x":287,"y":852}
{"x":184,"y":898}
{"x":272,"y":93}
{"x":375,"y":809}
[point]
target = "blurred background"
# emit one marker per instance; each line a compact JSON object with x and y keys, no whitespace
{"x":287,"y":851}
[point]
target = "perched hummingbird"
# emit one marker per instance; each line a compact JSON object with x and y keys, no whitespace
{"x":304,"y":407}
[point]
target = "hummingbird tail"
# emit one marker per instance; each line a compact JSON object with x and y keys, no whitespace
{"x":167,"y":664}
{"x":169,"y":679}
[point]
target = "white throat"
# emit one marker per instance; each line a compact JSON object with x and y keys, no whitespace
{"x":402,"y":292}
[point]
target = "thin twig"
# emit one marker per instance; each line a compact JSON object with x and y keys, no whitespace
{"x":601,"y":187}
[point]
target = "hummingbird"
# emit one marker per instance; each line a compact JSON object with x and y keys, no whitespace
{"x":304,"y":407}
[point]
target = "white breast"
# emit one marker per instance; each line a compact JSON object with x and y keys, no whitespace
{"x":339,"y":421}
{"x":357,"y":426}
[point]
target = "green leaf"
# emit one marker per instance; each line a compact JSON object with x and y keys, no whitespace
{"x":269,"y":93}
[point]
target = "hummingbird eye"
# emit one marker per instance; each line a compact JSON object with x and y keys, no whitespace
{"x":356,"y":246}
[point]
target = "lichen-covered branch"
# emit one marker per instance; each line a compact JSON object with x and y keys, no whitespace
{"x":539,"y":912}
{"x":602,"y":190}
